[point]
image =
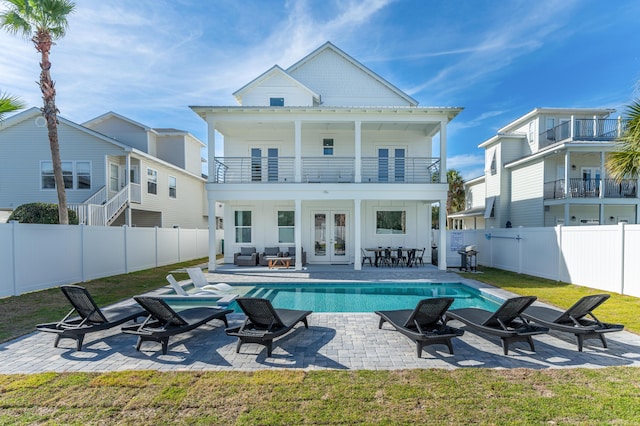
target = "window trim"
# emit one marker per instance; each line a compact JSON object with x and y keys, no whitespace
{"x":74,"y":175}
{"x":403,"y":213}
{"x":236,"y":227}
{"x":276,"y":101}
{"x":154,"y":181}
{"x":328,"y":149}
{"x":292,"y":227}
{"x":174,"y":187}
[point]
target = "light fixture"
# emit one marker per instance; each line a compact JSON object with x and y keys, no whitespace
{"x":611,"y":218}
{"x":573,"y":218}
{"x":573,"y":167}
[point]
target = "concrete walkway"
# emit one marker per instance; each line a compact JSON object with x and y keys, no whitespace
{"x":349,"y":341}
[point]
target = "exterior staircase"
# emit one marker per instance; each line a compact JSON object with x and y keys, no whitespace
{"x":98,"y":211}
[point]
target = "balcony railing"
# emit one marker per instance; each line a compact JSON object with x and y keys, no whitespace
{"x":584,"y":129}
{"x":591,"y":188}
{"x":326,"y":170}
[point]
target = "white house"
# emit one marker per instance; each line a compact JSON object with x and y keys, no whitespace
{"x":472,"y":217}
{"x":116,"y":171}
{"x":548,"y":167}
{"x":329,"y":157}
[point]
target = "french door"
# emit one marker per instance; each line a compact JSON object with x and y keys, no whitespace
{"x":264,"y":169}
{"x":391,"y":164}
{"x":330,"y":236}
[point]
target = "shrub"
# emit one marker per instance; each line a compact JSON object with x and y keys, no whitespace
{"x":46,"y":213}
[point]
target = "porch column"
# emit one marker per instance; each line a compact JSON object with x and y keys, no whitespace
{"x":297,"y":162}
{"x":211,"y":150}
{"x":127,"y":180}
{"x":442,"y":244}
{"x":567,"y":167}
{"x":602,"y":184}
{"x":297,"y":232}
{"x":358,"y":151}
{"x":443,"y":158}
{"x":213,"y":244}
{"x":357,"y":260}
{"x":572,"y":128}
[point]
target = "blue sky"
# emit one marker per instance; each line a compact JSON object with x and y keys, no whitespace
{"x":150,"y":59}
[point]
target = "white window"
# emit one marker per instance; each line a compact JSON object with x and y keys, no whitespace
{"x":286,"y":226}
{"x":114,"y":177}
{"x":152,"y":181}
{"x":172,"y":187}
{"x":76,"y":175}
{"x":494,"y":164}
{"x":243,"y":226}
{"x":276,"y":101}
{"x":327,"y":146}
{"x":391,"y":222}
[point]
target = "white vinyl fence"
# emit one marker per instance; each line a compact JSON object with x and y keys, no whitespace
{"x":35,"y":257}
{"x":603,"y":257}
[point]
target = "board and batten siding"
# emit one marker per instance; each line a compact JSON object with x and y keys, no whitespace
{"x":23,"y":147}
{"x":527,"y":204}
{"x":341,"y":83}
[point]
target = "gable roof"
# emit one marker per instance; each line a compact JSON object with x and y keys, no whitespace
{"x":273,"y":71}
{"x":330,"y":46}
{"x":112,"y":114}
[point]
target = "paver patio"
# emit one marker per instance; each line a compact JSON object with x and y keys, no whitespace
{"x":333,"y":341}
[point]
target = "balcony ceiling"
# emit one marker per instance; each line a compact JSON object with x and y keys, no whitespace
{"x":236,"y":128}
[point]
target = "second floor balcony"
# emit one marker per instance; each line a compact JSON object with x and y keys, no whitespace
{"x":326,"y":170}
{"x":583,"y":129}
{"x":591,"y":188}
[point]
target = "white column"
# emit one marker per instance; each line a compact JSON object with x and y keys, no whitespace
{"x":297,"y":233}
{"x":443,"y":155}
{"x":601,"y":184}
{"x":572,"y":127}
{"x":567,"y":167}
{"x":211,"y":150}
{"x":297,"y":162}
{"x":213,"y":243}
{"x":127,"y":180}
{"x":357,"y":246}
{"x":358,"y":151}
{"x":442,"y":245}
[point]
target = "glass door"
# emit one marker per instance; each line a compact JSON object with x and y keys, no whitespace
{"x":260,"y":173}
{"x":330,"y":237}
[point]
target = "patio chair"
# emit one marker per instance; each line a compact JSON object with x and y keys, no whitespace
{"x":269,"y":252}
{"x":199,"y":281}
{"x":90,"y":318}
{"x":180,"y":291}
{"x":506,"y":322}
{"x":247,"y":256}
{"x":163,"y":322}
{"x":366,"y":257}
{"x":575,"y":319}
{"x":425,"y":324}
{"x":264,"y":323}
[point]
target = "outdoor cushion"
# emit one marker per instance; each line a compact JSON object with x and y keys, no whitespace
{"x":271,"y":251}
{"x":247,"y":251}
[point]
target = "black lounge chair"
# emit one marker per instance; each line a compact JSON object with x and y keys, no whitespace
{"x":163,"y":322}
{"x":507,"y":322}
{"x":89,"y":317}
{"x":264,"y":323}
{"x":574,"y":320}
{"x":425,"y":324}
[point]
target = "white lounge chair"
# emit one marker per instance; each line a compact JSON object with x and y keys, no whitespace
{"x":200,"y":282}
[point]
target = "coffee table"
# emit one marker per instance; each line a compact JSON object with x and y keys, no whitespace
{"x":279,"y":262}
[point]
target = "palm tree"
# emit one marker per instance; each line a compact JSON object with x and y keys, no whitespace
{"x":455,"y":195}
{"x":9,"y":104}
{"x":43,"y":21}
{"x":625,"y":162}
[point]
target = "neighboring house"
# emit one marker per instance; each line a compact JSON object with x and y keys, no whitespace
{"x":472,"y":217}
{"x":548,"y":168}
{"x":116,"y":171}
{"x":327,"y":156}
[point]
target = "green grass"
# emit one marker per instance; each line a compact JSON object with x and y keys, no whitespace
{"x":283,"y":397}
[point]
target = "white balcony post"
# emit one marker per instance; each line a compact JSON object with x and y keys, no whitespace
{"x":211,"y":152}
{"x":357,"y":262}
{"x":619,"y":127}
{"x":297,"y":162}
{"x":442,"y":245}
{"x":358,"y":152}
{"x":213,"y":243}
{"x":601,"y":184}
{"x":595,"y":126}
{"x":443,"y":153}
{"x":567,"y":165}
{"x":297,"y":233}
{"x":572,"y":128}
{"x":127,"y":180}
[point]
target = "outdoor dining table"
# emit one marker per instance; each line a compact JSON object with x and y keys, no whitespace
{"x":379,"y":253}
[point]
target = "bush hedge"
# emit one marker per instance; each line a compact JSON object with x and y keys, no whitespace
{"x":46,"y":213}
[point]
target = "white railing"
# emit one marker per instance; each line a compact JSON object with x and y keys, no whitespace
{"x":101,"y":213}
{"x":136,"y":193}
{"x":98,"y":198}
{"x":114,"y":205}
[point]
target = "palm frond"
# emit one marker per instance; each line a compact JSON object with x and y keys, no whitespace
{"x":625,"y":161}
{"x":9,"y":104}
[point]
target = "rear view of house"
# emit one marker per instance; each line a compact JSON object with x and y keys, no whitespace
{"x":329,"y":157}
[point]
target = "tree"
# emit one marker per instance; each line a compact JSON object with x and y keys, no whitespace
{"x":625,"y":162}
{"x":43,"y":21}
{"x":455,"y":195}
{"x":9,"y":104}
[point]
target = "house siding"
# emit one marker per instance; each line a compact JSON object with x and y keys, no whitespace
{"x":25,"y":145}
{"x":341,"y":83}
{"x":277,"y":86}
{"x":123,"y":131}
{"x":527,"y":197}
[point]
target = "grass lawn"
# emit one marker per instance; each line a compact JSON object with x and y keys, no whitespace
{"x":462,"y":396}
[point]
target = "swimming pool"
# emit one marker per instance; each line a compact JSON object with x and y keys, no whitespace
{"x":364,"y":297}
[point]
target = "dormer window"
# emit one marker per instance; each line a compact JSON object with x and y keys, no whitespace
{"x":327,"y":146}
{"x":276,"y":101}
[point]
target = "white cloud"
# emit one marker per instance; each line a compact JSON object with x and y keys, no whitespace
{"x":469,"y":165}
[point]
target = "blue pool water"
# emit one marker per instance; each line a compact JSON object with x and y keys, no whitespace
{"x":366,"y":297}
